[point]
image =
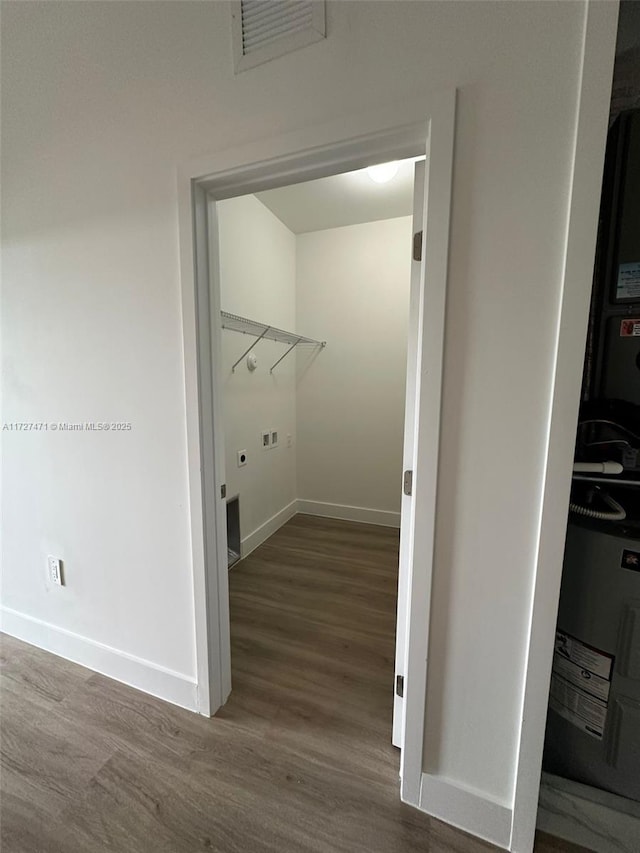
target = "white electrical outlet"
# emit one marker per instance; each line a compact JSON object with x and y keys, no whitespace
{"x":242,"y":458}
{"x":289,"y":440}
{"x":266,"y":439}
{"x":274,"y":438}
{"x":54,"y":568}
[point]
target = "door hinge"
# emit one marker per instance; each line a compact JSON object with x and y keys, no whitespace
{"x":223,"y":491}
{"x":400,"y":686}
{"x":407,"y":482}
{"x":417,"y":246}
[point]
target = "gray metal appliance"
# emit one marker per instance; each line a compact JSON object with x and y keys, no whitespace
{"x":593,"y":724}
{"x":612,"y":367}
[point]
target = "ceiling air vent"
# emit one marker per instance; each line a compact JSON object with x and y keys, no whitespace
{"x":265,"y":29}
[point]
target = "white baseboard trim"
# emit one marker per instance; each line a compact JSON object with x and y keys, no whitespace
{"x":587,"y":816}
{"x":142,"y":674}
{"x":467,"y":810}
{"x":262,"y":533}
{"x":349,"y":513}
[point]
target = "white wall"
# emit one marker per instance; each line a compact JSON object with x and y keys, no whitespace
{"x":353,"y":291}
{"x":344,"y":409}
{"x":258,"y":281}
{"x":101,"y":101}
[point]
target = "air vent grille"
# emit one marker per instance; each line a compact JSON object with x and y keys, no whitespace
{"x":266,"y":29}
{"x":266,"y":21}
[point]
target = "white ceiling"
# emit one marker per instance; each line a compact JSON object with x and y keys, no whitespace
{"x":347,"y":199}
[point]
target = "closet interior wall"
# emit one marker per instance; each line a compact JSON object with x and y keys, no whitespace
{"x":257,"y":280}
{"x":338,"y":411}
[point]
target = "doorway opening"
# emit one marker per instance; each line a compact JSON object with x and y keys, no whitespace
{"x":362,"y":141}
{"x":314,"y":285}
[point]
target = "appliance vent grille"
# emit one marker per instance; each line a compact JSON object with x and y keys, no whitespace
{"x":266,"y":29}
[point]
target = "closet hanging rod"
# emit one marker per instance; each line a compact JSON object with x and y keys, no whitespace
{"x":235,"y":323}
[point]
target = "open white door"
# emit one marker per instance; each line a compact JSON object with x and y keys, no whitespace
{"x":406,"y":514}
{"x":432,"y":204}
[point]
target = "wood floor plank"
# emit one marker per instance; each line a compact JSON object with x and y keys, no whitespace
{"x":45,"y":759}
{"x":24,"y":826}
{"x":33,"y":674}
{"x":298,"y":761}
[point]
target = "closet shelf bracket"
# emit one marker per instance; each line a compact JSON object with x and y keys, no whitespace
{"x":247,"y":351}
{"x":261,"y":331}
{"x":273,"y":366}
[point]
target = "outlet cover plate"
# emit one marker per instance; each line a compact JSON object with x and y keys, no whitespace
{"x":54,"y":569}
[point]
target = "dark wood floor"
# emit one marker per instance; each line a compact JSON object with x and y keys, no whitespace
{"x":298,"y":760}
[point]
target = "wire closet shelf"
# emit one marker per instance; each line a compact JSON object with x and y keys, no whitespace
{"x":261,"y":331}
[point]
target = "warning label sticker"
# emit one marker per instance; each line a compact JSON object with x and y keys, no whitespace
{"x":586,"y":681}
{"x":580,"y":684}
{"x":580,"y":653}
{"x":630,"y":560}
{"x":580,"y":709}
{"x":628,"y":285}
{"x":630,"y":328}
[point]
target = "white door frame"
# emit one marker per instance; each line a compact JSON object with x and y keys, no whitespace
{"x":395,"y":133}
{"x":598,"y":52}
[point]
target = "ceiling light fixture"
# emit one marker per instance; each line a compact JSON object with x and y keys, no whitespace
{"x":383,"y":172}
